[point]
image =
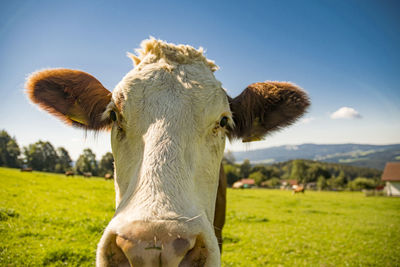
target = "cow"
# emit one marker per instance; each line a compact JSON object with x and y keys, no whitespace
{"x":108,"y":176}
{"x":87,"y":174}
{"x":26,"y":169}
{"x":69,"y":173}
{"x":298,"y":189}
{"x":169,"y":118}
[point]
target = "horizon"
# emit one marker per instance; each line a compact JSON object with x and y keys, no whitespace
{"x":344,"y":54}
{"x":98,"y":156}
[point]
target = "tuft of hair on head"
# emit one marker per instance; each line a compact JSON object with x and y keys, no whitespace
{"x":75,"y":97}
{"x":153,"y":50}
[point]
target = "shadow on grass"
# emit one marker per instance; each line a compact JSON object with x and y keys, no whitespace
{"x":5,"y":214}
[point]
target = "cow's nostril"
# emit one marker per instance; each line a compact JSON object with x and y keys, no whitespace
{"x":114,"y":254}
{"x":181,"y":246}
{"x":197,"y":256}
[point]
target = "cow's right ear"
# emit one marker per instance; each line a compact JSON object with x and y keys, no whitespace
{"x":74,"y":96}
{"x":266,"y":107}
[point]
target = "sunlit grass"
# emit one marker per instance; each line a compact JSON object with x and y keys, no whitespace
{"x":315,"y":229}
{"x":49,"y":219}
{"x":58,"y":220}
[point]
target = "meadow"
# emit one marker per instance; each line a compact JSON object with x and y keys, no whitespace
{"x":51,"y":220}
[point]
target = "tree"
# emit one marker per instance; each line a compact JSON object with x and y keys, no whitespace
{"x":321,"y":183}
{"x":259,"y":168}
{"x":299,"y":171}
{"x":106,"y":164}
{"x":232,"y":173}
{"x":315,"y":171}
{"x":41,"y":156}
{"x":258,"y":177}
{"x":268,"y":171}
{"x":338,"y":182}
{"x":228,"y":158}
{"x":272,"y":183}
{"x":245,"y":168}
{"x":87,"y":162}
{"x":9,"y":151}
{"x":64,"y":160}
{"x":13,"y":154}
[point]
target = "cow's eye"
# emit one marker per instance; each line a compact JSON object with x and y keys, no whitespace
{"x":113,"y":116}
{"x":223,"y":122}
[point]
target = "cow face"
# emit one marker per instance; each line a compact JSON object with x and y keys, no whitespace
{"x":169,"y":118}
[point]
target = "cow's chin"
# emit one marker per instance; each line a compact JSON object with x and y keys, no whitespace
{"x":166,"y":243}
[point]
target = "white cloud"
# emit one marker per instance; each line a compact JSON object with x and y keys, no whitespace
{"x":345,"y":113}
{"x":307,"y":120}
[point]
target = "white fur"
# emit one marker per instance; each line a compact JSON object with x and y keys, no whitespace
{"x":168,"y":155}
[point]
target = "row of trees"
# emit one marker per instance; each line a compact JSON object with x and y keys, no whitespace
{"x":324,"y":176}
{"x":42,"y":156}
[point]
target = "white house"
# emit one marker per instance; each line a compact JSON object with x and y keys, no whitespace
{"x":244,"y":183}
{"x":391,"y":174}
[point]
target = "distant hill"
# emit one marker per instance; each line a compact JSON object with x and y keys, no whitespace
{"x":372,"y":156}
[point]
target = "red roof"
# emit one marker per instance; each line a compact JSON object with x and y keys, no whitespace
{"x":247,"y":181}
{"x":292,"y":182}
{"x":391,"y":172}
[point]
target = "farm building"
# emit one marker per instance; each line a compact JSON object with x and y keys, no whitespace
{"x":288,"y":184}
{"x":391,"y":174}
{"x":244,"y":183}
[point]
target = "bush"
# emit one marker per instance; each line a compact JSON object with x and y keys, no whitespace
{"x":258,"y":177}
{"x":361,"y":183}
{"x":272,"y":183}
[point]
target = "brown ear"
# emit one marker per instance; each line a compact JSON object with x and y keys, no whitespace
{"x":265,"y":107}
{"x":75,"y":97}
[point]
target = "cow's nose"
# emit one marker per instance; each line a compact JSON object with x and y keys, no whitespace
{"x":155,"y":252}
{"x":149,"y":244}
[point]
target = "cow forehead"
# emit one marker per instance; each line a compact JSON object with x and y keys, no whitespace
{"x":166,"y":74}
{"x":174,"y":96}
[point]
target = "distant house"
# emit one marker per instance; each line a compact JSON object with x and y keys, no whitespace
{"x":244,"y":183}
{"x":289,"y":184}
{"x":391,"y":174}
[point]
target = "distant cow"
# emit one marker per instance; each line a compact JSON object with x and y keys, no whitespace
{"x":298,"y":189}
{"x":108,"y":176}
{"x":237,"y":185}
{"x":69,"y":173}
{"x":87,"y":174}
{"x":26,"y":169}
{"x":169,"y":119}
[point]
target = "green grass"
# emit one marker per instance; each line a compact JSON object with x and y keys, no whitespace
{"x":49,"y":219}
{"x":268,"y":227}
{"x":52,"y":220}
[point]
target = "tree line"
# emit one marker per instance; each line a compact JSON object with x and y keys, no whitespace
{"x":322,"y":175}
{"x":42,"y":156}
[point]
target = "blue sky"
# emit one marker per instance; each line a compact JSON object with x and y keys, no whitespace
{"x":345,"y":54}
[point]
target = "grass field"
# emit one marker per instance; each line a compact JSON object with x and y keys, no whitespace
{"x":48,"y":219}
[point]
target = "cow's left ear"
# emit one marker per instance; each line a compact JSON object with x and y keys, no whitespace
{"x":265,"y":107}
{"x":75,"y":97}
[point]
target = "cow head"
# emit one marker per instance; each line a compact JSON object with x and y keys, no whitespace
{"x":169,"y":118}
